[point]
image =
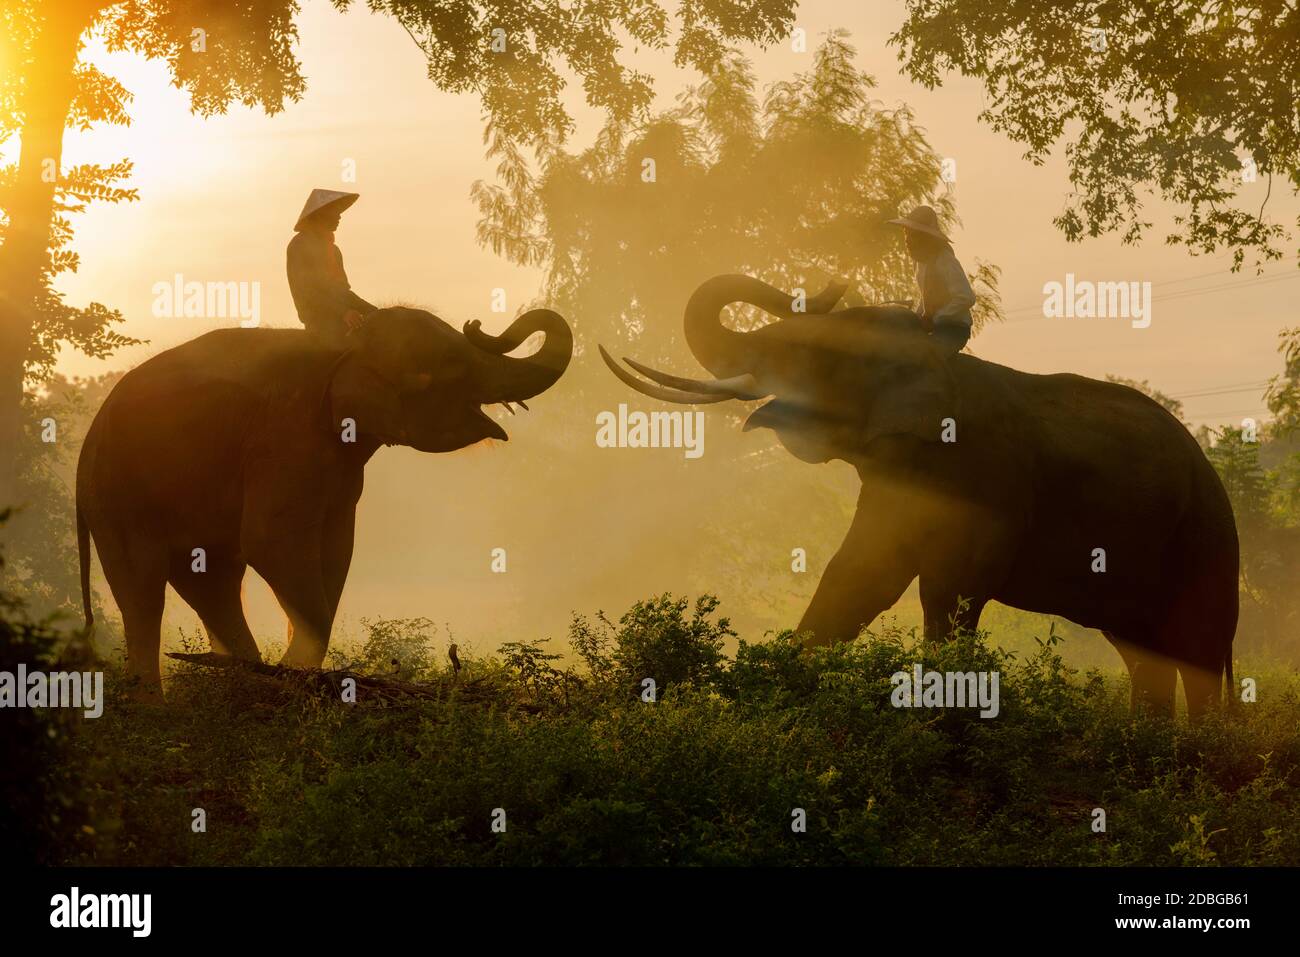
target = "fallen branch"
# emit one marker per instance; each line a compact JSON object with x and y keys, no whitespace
{"x":370,"y":688}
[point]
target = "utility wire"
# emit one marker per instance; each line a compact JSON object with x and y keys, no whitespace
{"x":1204,"y":275}
{"x":1036,"y":312}
{"x":1201,"y":395}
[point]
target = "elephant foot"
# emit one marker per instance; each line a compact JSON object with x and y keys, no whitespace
{"x":298,"y":658}
{"x":145,"y":691}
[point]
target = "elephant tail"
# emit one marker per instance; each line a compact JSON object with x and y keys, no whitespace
{"x":83,"y":561}
{"x":1230,"y":692}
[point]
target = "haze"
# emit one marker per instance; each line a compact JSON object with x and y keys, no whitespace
{"x":219,"y":198}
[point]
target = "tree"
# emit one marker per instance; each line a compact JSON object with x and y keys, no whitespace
{"x":792,"y":184}
{"x":241,"y":51}
{"x":43,"y":570}
{"x":49,"y":810}
{"x":1283,"y":394}
{"x":50,"y":91}
{"x":1283,"y":432}
{"x":1270,"y":544}
{"x":1177,"y":98}
{"x":795,"y":192}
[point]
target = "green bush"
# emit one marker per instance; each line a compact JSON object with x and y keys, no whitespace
{"x":49,"y":808}
{"x":399,"y":648}
{"x":654,"y":640}
{"x":716,"y":770}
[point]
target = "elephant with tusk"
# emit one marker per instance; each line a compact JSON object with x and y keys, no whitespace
{"x":1052,"y":493}
{"x":247,"y":447}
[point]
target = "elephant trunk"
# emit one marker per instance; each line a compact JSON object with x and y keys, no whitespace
{"x":507,"y":379}
{"x":725,"y":352}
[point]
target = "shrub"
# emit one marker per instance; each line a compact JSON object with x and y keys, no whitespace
{"x":717,"y":770}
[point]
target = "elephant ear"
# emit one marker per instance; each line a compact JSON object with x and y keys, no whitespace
{"x":916,"y":402}
{"x":359,"y":392}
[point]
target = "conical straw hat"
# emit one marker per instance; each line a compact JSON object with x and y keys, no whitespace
{"x":320,"y":198}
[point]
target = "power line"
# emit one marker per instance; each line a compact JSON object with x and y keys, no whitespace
{"x":1036,"y":312}
{"x":1205,"y":275}
{"x":1224,"y":391}
{"x":1248,"y":283}
{"x":1162,"y":282}
{"x":1217,"y":415}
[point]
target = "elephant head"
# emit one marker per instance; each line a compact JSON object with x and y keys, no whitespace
{"x":837,"y":382}
{"x":411,"y":379}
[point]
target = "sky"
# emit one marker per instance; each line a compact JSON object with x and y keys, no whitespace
{"x":219,"y":196}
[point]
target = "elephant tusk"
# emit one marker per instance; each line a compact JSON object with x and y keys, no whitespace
{"x":735,"y":387}
{"x":658,"y":392}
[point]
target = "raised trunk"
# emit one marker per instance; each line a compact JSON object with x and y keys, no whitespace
{"x":723,"y":351}
{"x":505,"y":379}
{"x":47,"y":95}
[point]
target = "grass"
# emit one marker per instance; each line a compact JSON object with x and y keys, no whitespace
{"x":713,"y":771}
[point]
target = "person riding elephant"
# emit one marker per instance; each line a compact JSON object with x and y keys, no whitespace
{"x":247,"y":448}
{"x":1056,"y":494}
{"x":326,"y":304}
{"x":946,"y":294}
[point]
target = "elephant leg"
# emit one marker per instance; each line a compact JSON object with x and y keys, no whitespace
{"x":136,"y":571}
{"x":217,"y":596}
{"x":948,"y":610}
{"x":1153,"y":678}
{"x":336,"y":554}
{"x":1154,"y":683}
{"x":282,"y":533}
{"x":1202,"y":687}
{"x":1198,"y":650}
{"x":142,"y":623}
{"x":868,"y":574}
{"x":1198,"y":634}
{"x":293,"y":571}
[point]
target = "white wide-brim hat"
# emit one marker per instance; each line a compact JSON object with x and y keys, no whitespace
{"x":923,"y":219}
{"x":320,"y":198}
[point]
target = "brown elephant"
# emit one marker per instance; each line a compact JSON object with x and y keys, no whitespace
{"x":1052,"y":493}
{"x":250,"y":444}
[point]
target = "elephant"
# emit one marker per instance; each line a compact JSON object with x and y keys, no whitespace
{"x":1056,"y":494}
{"x":251,"y":444}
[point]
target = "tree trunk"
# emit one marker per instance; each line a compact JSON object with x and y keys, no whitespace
{"x":47,"y":95}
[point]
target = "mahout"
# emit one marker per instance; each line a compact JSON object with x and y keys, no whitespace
{"x":1057,"y":494}
{"x":247,"y":448}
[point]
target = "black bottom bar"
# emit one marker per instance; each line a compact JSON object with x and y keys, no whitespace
{"x":334,"y":906}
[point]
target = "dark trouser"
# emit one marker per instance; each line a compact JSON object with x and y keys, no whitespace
{"x":952,"y":335}
{"x":332,"y":329}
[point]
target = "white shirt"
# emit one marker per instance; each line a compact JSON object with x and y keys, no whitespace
{"x":945,"y":291}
